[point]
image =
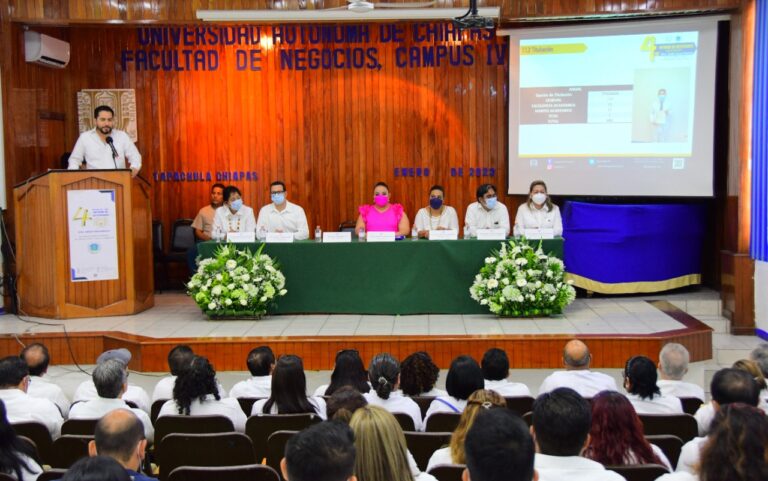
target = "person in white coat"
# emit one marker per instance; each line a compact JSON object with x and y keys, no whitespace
{"x":538,"y":212}
{"x":289,"y":391}
{"x":495,"y":365}
{"x":37,"y":358}
{"x":384,"y":376}
{"x":21,"y":407}
{"x":16,"y":456}
{"x":640,"y":382}
{"x":577,"y":375}
{"x":464,"y":377}
{"x":673,"y":365}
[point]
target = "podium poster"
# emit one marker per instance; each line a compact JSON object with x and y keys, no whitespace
{"x":92,"y":224}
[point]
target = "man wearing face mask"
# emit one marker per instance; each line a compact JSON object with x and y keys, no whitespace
{"x":487,"y":212}
{"x":233,"y":216}
{"x":281,"y":215}
{"x":538,"y":212}
{"x":660,"y":116}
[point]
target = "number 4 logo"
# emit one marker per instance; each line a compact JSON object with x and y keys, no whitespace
{"x":81,"y":215}
{"x":649,"y":45}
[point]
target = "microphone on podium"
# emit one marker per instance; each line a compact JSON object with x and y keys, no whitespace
{"x":114,"y":151}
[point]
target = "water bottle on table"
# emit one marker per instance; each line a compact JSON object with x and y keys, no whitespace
{"x":466,"y":232}
{"x":414,"y":233}
{"x":318,"y":234}
{"x":361,"y":235}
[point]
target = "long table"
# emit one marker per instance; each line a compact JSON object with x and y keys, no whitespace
{"x":405,"y":277}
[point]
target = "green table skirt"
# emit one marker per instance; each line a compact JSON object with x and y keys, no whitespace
{"x":405,"y":277}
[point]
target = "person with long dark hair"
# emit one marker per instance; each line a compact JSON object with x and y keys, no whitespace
{"x":464,"y":378}
{"x":616,"y":437}
{"x":347,"y":371}
{"x":640,"y":378}
{"x":289,"y":391}
{"x":196,"y":393}
{"x":16,"y":456}
{"x":384,"y":374}
{"x":418,"y":375}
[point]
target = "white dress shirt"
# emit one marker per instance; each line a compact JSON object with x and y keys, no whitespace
{"x":438,"y":406}
{"x":690,"y":454}
{"x":204,"y":219}
{"x":678,"y":476}
{"x":571,"y":468}
{"x":506,"y":388}
{"x":96,"y":408}
{"x":228,"y":407}
{"x":441,"y":456}
{"x":23,"y":408}
{"x":164,"y":389}
{"x":317,"y":402}
{"x":397,"y":403}
{"x":320,"y":391}
{"x":257,"y":386}
{"x":434,"y":392}
{"x":533,"y":218}
{"x":706,"y":414}
{"x":241,"y":221}
{"x":658,"y":405}
{"x":671,"y":387}
{"x":447,"y":220}
{"x":479,"y":218}
{"x":585,"y":382}
{"x":291,"y":219}
{"x":30,"y":474}
{"x":42,"y":387}
{"x":137,"y":395}
{"x":98,"y":154}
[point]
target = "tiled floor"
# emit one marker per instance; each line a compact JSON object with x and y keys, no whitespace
{"x":175,"y":315}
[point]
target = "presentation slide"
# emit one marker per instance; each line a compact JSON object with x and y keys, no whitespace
{"x":618,"y":110}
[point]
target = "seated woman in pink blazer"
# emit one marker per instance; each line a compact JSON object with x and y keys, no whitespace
{"x":382,"y":216}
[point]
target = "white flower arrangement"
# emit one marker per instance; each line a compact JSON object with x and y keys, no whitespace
{"x":520,"y":281}
{"x":237,"y":283}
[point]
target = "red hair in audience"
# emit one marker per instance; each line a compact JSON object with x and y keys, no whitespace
{"x":617,"y":433}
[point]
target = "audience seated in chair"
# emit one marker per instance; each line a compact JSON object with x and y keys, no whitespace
{"x":120,"y":435}
{"x":562,"y":420}
{"x":111,"y":381}
{"x":348,"y":370}
{"x":616,"y":437}
{"x":289,"y":391}
{"x":454,"y":453}
{"x":384,"y":375}
{"x":98,"y":468}
{"x":499,"y":447}
{"x":20,"y":407}
{"x":464,"y":377}
{"x":343,"y":403}
{"x":37,"y":358}
{"x":261,"y":363}
{"x":418,"y":375}
{"x":640,"y":382}
{"x":135,"y":394}
{"x":178,"y":359}
{"x":323,"y":452}
{"x":673,"y":365}
{"x":196,"y":393}
{"x":577,"y":375}
{"x":17,"y":458}
{"x":495,"y":366}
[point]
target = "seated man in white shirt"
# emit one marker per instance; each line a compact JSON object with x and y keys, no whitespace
{"x":111,"y":381}
{"x":487,"y":212}
{"x":728,"y":386}
{"x":642,"y":391}
{"x":281,"y":215}
{"x":20,"y":406}
{"x":261,"y":363}
{"x":37,"y":358}
{"x":203,"y":223}
{"x":134,"y":394}
{"x":178,"y":359}
{"x":673,"y":365}
{"x":104,"y":147}
{"x":495,"y":366}
{"x":577,"y":376}
{"x":562,"y":420}
{"x":499,"y":447}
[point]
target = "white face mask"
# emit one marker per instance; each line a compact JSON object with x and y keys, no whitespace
{"x":539,"y":198}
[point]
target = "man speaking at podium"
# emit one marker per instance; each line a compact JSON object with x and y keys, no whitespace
{"x":104,"y":147}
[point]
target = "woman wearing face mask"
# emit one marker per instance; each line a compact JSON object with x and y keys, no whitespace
{"x":487,"y":212}
{"x":233,"y":216}
{"x":538,"y":212}
{"x":437,"y":215}
{"x":382,"y":216}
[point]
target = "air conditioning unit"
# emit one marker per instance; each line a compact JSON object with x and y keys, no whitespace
{"x":44,"y":50}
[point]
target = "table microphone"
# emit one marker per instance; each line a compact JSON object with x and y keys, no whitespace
{"x":112,"y":146}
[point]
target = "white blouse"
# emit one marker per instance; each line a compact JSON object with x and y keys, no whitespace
{"x":447,"y":220}
{"x":241,"y":221}
{"x":533,"y":218}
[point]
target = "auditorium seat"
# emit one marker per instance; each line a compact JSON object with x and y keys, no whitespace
{"x":423,"y":445}
{"x":683,"y":426}
{"x":191,"y":424}
{"x":261,"y":426}
{"x":154,"y":410}
{"x":442,"y":422}
{"x":520,"y":404}
{"x":447,"y":472}
{"x":528,"y":418}
{"x":67,"y":449}
{"x":691,"y":404}
{"x":276,"y":448}
{"x":6,"y":477}
{"x":52,"y":474}
{"x":85,"y":427}
{"x":246,"y":404}
{"x":347,"y":226}
{"x":640,"y":472}
{"x":250,"y":472}
{"x":182,"y":239}
{"x":216,"y":449}
{"x":424,"y":402}
{"x":405,"y":421}
{"x":39,"y":435}
{"x":671,"y":445}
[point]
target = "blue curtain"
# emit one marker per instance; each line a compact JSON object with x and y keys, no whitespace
{"x":759,"y":231}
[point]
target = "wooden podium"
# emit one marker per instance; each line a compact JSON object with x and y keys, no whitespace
{"x":45,"y":282}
